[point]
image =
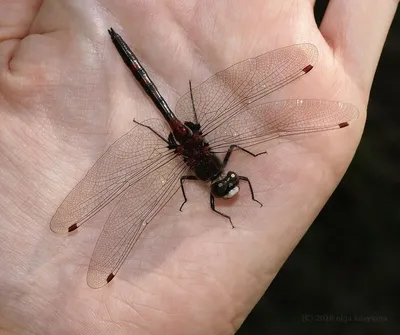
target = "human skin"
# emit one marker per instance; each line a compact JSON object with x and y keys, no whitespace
{"x":65,"y":96}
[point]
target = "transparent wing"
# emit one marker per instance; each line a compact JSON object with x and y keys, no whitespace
{"x":139,"y":205}
{"x":128,"y":160}
{"x":226,"y":93}
{"x":280,"y":118}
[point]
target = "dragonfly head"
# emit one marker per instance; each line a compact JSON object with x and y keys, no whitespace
{"x":226,"y":187}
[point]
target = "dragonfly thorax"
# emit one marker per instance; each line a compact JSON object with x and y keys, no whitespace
{"x":208,"y":167}
{"x":180,"y":131}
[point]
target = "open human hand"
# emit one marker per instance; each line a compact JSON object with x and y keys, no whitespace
{"x":65,"y":96}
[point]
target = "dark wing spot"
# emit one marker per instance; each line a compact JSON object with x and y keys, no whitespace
{"x":343,"y":124}
{"x":308,"y":68}
{"x":110,"y":277}
{"x":73,"y":227}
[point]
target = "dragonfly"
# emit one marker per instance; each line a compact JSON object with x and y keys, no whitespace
{"x":144,"y":168}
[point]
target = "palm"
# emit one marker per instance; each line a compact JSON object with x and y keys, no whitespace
{"x":69,"y":96}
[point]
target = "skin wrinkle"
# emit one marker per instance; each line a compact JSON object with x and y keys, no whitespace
{"x":170,"y":276}
{"x":171,"y":281}
{"x":196,"y":272}
{"x":14,"y":158}
{"x":143,"y":291}
{"x":159,"y":311}
{"x":126,"y":323}
{"x":209,"y":279}
{"x":224,"y":293}
{"x":132,"y":308}
{"x":194,"y":47}
{"x":184,"y":48}
{"x":110,"y":318}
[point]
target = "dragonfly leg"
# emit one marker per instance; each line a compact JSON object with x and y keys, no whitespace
{"x":251,"y":189}
{"x":148,"y":127}
{"x":234,"y":146}
{"x":183,"y":178}
{"x":212,"y":204}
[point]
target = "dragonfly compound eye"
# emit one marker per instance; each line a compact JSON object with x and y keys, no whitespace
{"x":232,"y":177}
{"x":219,"y":188}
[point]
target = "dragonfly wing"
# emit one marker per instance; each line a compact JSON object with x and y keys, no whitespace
{"x":129,"y":159}
{"x":267,"y":121}
{"x":223,"y":95}
{"x":139,"y":205}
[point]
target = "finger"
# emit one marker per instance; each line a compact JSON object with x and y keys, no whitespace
{"x":16,"y":17}
{"x":15,"y":20}
{"x":356,"y":31}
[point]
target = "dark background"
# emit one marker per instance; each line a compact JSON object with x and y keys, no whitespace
{"x":347,"y":265}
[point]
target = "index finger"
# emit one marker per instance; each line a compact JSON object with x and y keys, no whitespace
{"x":356,"y":31}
